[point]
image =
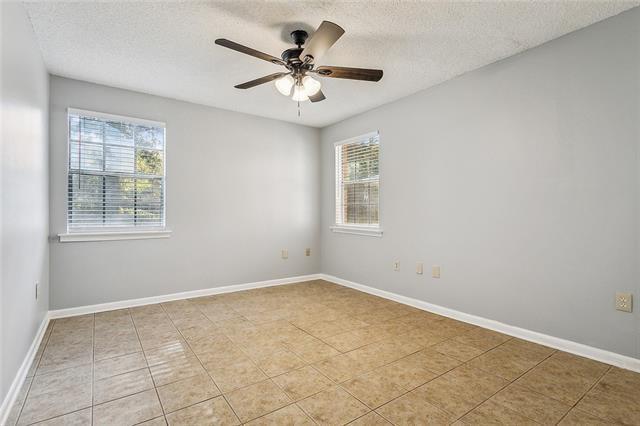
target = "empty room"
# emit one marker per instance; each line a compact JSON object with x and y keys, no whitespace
{"x":320,"y":212}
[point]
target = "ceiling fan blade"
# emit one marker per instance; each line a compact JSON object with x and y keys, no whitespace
{"x":248,"y":51}
{"x":261,"y":80}
{"x":349,"y":73}
{"x":317,"y":97}
{"x":324,"y":37}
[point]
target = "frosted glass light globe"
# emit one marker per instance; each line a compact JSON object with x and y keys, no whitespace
{"x":299,"y":94}
{"x":311,"y":86}
{"x":284,"y":85}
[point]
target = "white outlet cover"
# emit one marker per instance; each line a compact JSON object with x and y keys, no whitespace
{"x":285,"y":254}
{"x":435,"y":271}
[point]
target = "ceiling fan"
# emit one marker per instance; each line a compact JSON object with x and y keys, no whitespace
{"x":300,"y":63}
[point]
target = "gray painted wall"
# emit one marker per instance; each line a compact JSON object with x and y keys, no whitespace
{"x":24,"y":205}
{"x":521,"y":180}
{"x":239,"y":189}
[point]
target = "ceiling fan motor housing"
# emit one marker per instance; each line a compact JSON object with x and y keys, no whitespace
{"x":292,"y":55}
{"x":299,"y":37}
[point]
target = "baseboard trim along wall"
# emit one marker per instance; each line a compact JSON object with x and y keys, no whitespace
{"x":110,"y":306}
{"x":21,"y":375}
{"x":575,"y":348}
{"x":601,"y":355}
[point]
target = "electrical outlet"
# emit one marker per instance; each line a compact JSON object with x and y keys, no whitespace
{"x":624,"y":302}
{"x":419,"y":268}
{"x":37,"y":289}
{"x":435,"y":271}
{"x":396,"y":265}
{"x":285,"y":254}
{"x":307,"y":252}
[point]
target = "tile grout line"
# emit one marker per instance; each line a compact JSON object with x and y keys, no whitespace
{"x":305,"y":412}
{"x":58,"y":416}
{"x":563,"y":402}
{"x":510,"y":382}
{"x":209,"y":374}
{"x":366,"y":414}
{"x":585,"y":394}
{"x":404,"y":393}
{"x":155,"y":388}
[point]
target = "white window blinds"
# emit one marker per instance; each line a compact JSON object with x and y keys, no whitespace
{"x":358,"y":181}
{"x":116,"y":173}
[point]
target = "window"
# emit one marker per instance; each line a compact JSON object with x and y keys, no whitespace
{"x":358,"y":185}
{"x":116,"y":173}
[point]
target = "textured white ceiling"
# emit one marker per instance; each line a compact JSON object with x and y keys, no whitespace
{"x":167,"y":49}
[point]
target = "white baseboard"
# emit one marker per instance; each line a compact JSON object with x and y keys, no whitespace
{"x":21,"y":375}
{"x":90,"y":309}
{"x":575,"y":348}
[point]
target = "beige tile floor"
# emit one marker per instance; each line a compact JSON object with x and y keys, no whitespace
{"x":308,"y":353}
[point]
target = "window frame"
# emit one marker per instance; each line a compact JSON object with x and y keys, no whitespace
{"x":366,"y":230}
{"x":114,"y":233}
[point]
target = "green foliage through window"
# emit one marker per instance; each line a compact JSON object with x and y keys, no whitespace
{"x":116,"y":173}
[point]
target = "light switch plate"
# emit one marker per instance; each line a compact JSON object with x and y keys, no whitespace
{"x":285,"y":253}
{"x":307,"y":252}
{"x":396,"y":265}
{"x":624,"y":302}
{"x":419,"y":268}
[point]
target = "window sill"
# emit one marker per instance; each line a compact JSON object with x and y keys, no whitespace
{"x":112,"y":236}
{"x":357,"y":230}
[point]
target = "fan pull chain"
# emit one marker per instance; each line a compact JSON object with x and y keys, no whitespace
{"x":298,"y":108}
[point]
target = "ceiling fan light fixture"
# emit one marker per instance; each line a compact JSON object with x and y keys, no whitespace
{"x":299,"y":61}
{"x":299,"y":94}
{"x":285,"y":84}
{"x":311,"y":85}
